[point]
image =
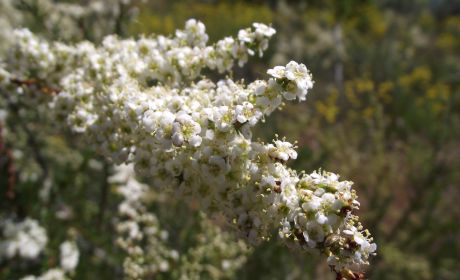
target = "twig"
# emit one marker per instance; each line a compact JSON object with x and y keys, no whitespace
{"x":350,"y":275}
{"x":32,"y":82}
{"x":10,"y":167}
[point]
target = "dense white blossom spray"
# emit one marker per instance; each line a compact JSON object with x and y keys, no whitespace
{"x":147,"y":102}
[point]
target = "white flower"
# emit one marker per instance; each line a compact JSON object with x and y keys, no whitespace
{"x":313,"y":204}
{"x":245,"y":35}
{"x":264,"y":30}
{"x":321,"y":218}
{"x":299,"y":74}
{"x":278,"y":72}
{"x":246,"y":113}
{"x":282,"y":150}
{"x":186,"y":129}
{"x":223,"y":117}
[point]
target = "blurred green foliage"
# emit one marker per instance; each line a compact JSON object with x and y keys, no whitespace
{"x":384,"y":113}
{"x":222,"y":18}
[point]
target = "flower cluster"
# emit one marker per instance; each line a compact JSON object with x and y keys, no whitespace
{"x":52,"y":274}
{"x":295,"y":79}
{"x":138,"y":230}
{"x":324,"y":220}
{"x":25,"y":239}
{"x":145,"y":244}
{"x":68,"y":21}
{"x":216,"y":254}
{"x":145,"y":102}
{"x":69,"y":257}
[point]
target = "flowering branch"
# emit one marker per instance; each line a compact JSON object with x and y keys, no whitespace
{"x":192,"y":136}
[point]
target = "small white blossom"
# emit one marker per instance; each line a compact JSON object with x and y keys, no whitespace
{"x":69,"y":255}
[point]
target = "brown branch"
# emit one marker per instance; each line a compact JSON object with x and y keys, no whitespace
{"x":33,"y":82}
{"x":350,"y":275}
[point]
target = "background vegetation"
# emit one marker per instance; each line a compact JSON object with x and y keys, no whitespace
{"x":384,"y":113}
